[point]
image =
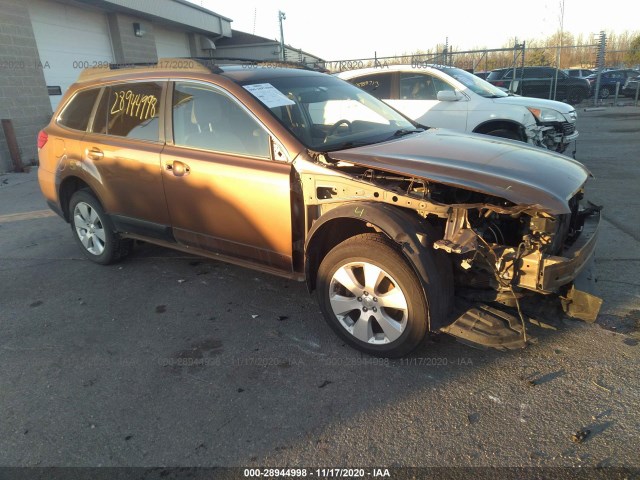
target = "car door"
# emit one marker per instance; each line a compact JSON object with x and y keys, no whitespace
{"x":121,"y":151}
{"x":224,"y":192}
{"x":564,"y":84}
{"x":537,"y":82}
{"x":417,"y":98}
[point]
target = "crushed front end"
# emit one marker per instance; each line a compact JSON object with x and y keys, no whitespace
{"x":554,"y":130}
{"x":500,"y":255}
{"x":512,"y":221}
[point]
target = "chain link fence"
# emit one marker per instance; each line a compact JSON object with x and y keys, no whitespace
{"x":594,"y":57}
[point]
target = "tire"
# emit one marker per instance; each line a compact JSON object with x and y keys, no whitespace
{"x":356,"y":312}
{"x":575,"y":96}
{"x":504,"y":133}
{"x":93,"y":230}
{"x":604,"y":92}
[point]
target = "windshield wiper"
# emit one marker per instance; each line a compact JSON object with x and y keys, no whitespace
{"x":350,"y":144}
{"x":405,"y":131}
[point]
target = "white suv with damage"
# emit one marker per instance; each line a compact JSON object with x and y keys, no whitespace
{"x":447,"y":97}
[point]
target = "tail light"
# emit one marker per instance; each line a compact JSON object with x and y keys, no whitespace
{"x":42,"y":138}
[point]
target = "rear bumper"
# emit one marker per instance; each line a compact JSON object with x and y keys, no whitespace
{"x":56,"y":208}
{"x":48,"y":186}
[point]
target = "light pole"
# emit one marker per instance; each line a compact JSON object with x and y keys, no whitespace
{"x":559,"y":52}
{"x":281,"y":17}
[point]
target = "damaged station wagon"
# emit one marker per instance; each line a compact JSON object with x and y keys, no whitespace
{"x":303,"y":175}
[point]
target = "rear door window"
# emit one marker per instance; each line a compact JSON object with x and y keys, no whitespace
{"x":497,"y":74}
{"x":378,"y":84}
{"x":130,"y":110}
{"x":78,"y":111}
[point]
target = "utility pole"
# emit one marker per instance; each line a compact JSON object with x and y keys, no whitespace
{"x":281,"y":17}
{"x":513,"y":87}
{"x":599,"y":64}
{"x":559,"y":51}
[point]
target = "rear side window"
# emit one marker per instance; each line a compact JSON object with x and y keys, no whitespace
{"x":533,"y":73}
{"x":130,"y":110}
{"x":77,"y":112}
{"x":496,"y":74}
{"x":378,"y":85}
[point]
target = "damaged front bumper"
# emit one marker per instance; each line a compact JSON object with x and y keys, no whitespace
{"x":548,"y":273}
{"x":555,"y":138}
{"x":569,"y":276}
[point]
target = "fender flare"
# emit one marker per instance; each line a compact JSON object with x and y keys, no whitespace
{"x":413,"y":237}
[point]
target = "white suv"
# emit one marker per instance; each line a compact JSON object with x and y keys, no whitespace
{"x":448,"y":97}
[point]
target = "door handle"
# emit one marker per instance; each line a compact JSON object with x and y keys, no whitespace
{"x":179,"y":169}
{"x":94,"y":153}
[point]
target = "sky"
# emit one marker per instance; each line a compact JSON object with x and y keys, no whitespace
{"x":339,"y":30}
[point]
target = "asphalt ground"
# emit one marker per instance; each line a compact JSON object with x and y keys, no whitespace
{"x":171,"y":360}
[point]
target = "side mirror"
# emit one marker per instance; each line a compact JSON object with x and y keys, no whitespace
{"x":448,"y":96}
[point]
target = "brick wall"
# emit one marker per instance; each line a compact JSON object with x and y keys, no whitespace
{"x":23,"y":92}
{"x":128,"y":48}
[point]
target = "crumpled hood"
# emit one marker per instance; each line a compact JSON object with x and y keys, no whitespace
{"x":507,"y":169}
{"x":561,"y":107}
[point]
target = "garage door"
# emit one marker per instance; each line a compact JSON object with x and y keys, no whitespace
{"x":69,"y":39}
{"x":171,"y":43}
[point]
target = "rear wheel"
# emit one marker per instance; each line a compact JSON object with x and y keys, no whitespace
{"x":371,"y":297}
{"x":604,"y":92}
{"x":94,"y":231}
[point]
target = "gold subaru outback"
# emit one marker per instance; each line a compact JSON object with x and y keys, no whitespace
{"x":303,"y":175}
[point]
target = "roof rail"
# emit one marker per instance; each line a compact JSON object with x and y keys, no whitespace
{"x":186,"y":64}
{"x":271,"y":62}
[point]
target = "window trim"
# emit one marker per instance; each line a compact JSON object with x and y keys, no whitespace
{"x":163,"y":82}
{"x":169,"y":140}
{"x":68,"y":102}
{"x":394,"y":89}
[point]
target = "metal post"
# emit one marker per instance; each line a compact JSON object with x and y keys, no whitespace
{"x":281,"y":17}
{"x":559,"y":51}
{"x":515,"y":59}
{"x":615,"y":99}
{"x":14,"y":148}
{"x":600,"y":66}
{"x":637,"y":90}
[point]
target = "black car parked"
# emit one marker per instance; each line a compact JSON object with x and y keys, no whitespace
{"x":539,"y":82}
{"x":631,"y":86}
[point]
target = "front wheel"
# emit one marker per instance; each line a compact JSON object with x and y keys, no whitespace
{"x":371,"y":297}
{"x":94,"y":231}
{"x":575,"y":96}
{"x":504,"y":133}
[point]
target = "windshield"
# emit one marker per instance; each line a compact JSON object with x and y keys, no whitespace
{"x":474,"y":83}
{"x":326,"y":113}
